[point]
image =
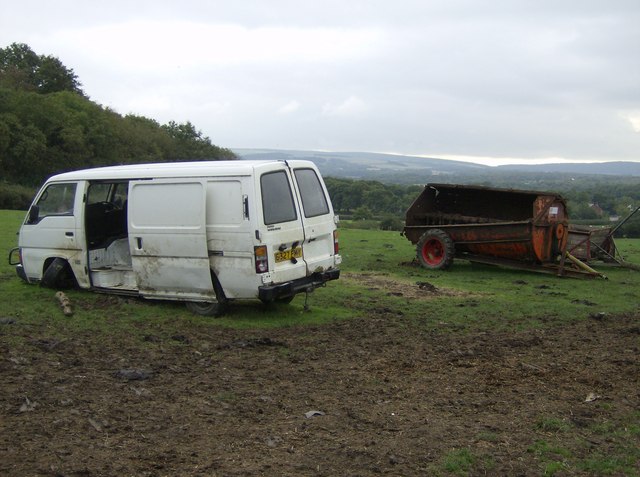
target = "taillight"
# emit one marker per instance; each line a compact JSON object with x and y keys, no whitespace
{"x":336,"y":244}
{"x":261,"y":258}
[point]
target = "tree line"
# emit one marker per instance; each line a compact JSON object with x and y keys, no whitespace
{"x":48,"y":125}
{"x":387,"y":204}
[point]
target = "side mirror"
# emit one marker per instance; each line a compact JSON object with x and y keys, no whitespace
{"x":34,"y":214}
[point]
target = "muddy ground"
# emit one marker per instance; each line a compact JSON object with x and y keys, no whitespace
{"x":374,"y":396}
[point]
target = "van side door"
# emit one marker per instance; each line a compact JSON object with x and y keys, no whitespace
{"x":230,"y":234}
{"x":167,"y":238}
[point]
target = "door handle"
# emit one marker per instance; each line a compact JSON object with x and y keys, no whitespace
{"x":69,"y":234}
{"x":139,"y":243}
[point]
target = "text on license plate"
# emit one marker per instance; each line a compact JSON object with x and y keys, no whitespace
{"x":288,"y":254}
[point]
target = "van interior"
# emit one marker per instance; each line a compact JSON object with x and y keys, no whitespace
{"x":107,"y":236}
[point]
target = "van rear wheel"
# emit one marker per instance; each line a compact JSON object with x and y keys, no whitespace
{"x":205,"y":308}
{"x":210,"y":308}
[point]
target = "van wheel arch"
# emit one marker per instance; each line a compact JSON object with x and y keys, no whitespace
{"x":57,"y":274}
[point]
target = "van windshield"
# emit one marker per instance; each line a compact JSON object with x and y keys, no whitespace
{"x":277,"y":200}
{"x":314,"y":201}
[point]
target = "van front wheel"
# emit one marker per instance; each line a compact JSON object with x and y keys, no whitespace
{"x":205,"y":308}
{"x":58,"y":275}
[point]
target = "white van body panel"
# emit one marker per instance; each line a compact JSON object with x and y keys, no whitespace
{"x":230,"y":235}
{"x":57,"y":235}
{"x":167,"y":238}
{"x":186,"y":231}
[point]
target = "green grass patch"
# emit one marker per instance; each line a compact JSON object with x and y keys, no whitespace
{"x":563,"y":450}
{"x":459,"y":461}
{"x":490,"y":296}
{"x":462,"y":462}
{"x":470,"y":296}
{"x":552,"y":424}
{"x":553,"y":458}
{"x":602,"y":464}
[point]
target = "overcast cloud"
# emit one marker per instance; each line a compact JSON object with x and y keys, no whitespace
{"x":495,"y":81}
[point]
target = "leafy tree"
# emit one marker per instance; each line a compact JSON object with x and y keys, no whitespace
{"x":582,"y":211}
{"x":362,"y":213}
{"x":391,"y":222}
{"x":21,"y":68}
{"x":48,"y":126}
{"x":191,"y":144}
{"x":18,"y":64}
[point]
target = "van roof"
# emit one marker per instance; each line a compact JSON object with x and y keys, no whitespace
{"x":165,"y":169}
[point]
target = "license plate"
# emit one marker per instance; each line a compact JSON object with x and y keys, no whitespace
{"x":289,"y":254}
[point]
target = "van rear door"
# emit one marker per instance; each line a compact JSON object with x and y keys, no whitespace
{"x":281,"y":224}
{"x":167,"y":238}
{"x":317,"y":217}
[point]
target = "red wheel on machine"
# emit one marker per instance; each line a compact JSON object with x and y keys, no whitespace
{"x":435,"y":250}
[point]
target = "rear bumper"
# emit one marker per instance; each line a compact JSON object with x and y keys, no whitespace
{"x":282,"y":290}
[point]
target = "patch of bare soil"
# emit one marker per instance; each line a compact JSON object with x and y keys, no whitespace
{"x":419,"y":290}
{"x":378,"y":395}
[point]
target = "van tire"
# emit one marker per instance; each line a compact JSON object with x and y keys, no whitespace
{"x":205,"y":308}
{"x":210,"y":308}
{"x":58,"y":275}
{"x":435,"y":250}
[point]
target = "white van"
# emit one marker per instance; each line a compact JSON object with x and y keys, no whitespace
{"x":200,"y":232}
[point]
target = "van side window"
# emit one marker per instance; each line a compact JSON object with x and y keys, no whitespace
{"x":113,"y":192}
{"x":314,"y":201}
{"x":277,"y":201}
{"x":57,"y":199}
{"x":98,"y":193}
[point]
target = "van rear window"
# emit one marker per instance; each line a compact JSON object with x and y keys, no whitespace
{"x":314,"y":201}
{"x":277,"y":201}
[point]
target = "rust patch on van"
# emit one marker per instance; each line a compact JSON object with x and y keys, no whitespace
{"x":418,"y":290}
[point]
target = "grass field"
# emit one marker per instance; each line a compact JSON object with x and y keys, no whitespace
{"x":481,"y":296}
{"x":477,"y":370}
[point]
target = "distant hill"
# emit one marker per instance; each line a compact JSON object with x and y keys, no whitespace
{"x":368,"y":165}
{"x":606,"y":168}
{"x":400,"y":169}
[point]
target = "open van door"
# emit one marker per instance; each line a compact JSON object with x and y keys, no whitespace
{"x":167,"y":239}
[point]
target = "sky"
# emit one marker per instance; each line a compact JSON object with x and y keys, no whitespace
{"x":494,"y":82}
